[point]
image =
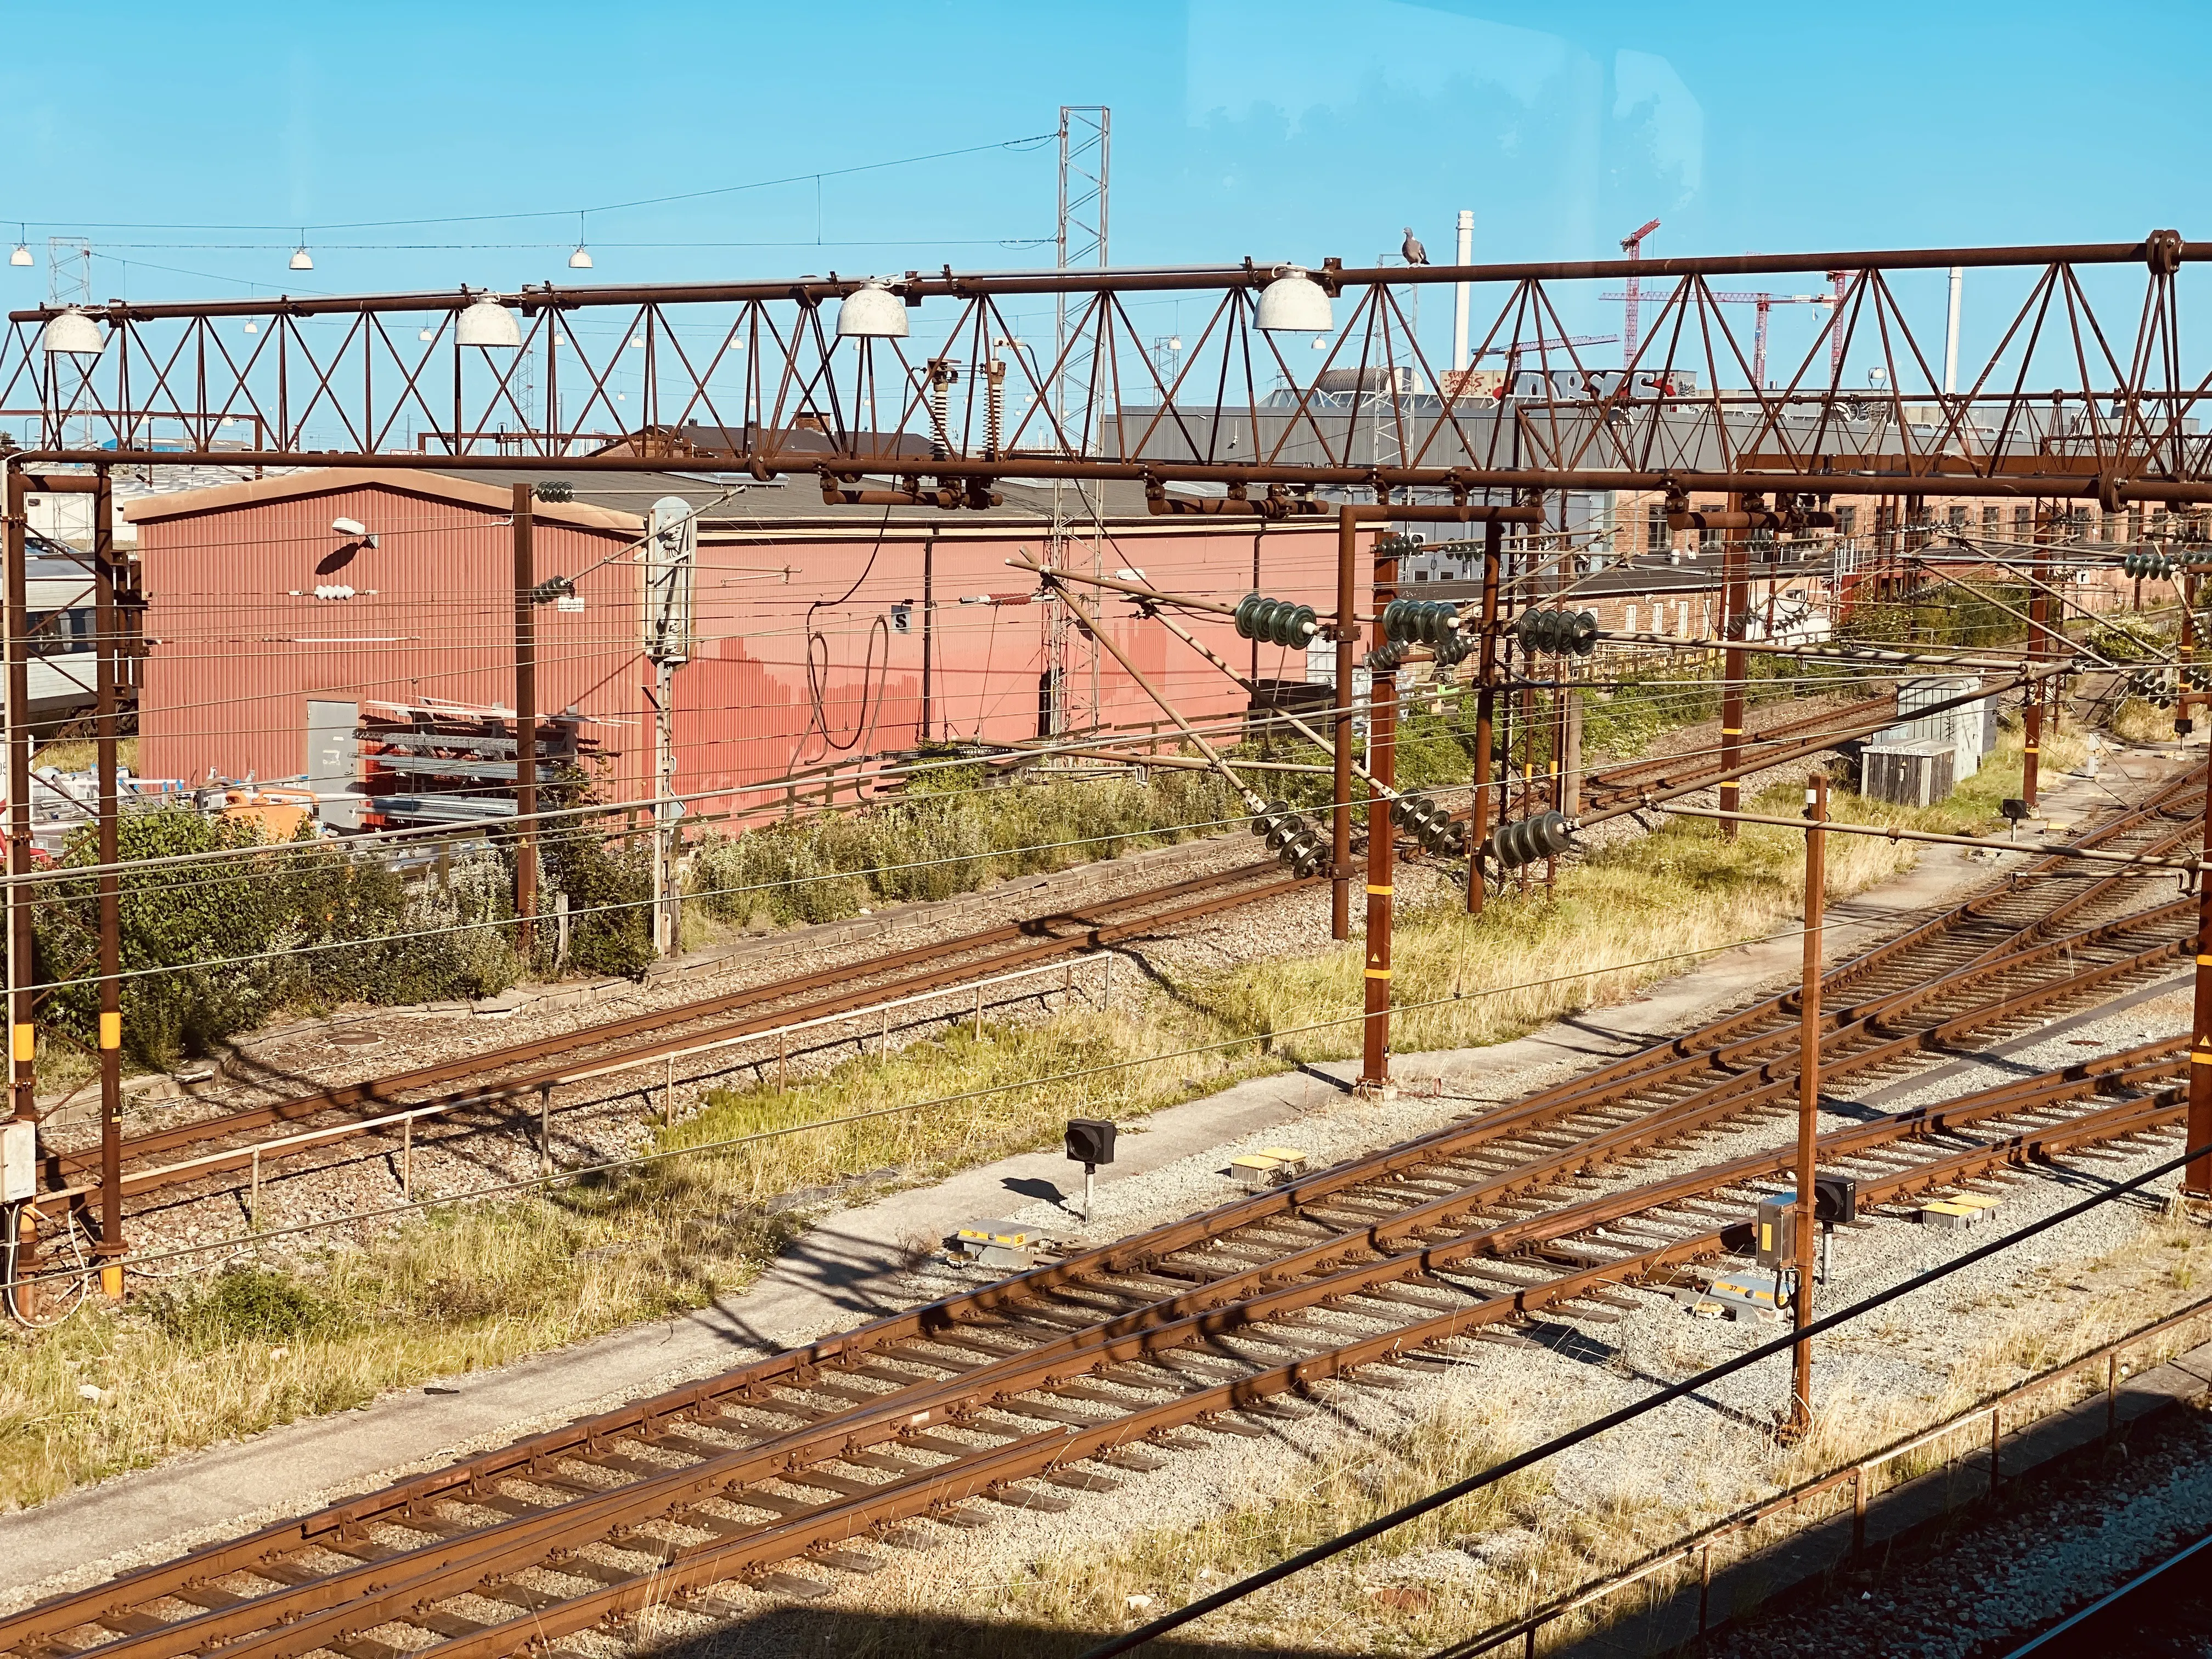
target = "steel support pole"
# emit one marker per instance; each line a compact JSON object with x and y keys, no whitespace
{"x":15,"y":623}
{"x":1486,"y":716}
{"x":2031,"y":758}
{"x":526,"y":727}
{"x":1808,"y":1093}
{"x":1735,"y":599}
{"x":1383,"y":768}
{"x":2196,"y":1177}
{"x":110,"y":1250}
{"x":1347,"y":657}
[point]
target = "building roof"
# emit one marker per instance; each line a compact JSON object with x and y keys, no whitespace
{"x":324,"y":481}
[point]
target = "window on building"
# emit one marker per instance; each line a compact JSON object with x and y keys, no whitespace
{"x":1847,"y":520}
{"x":1990,"y":521}
{"x":2023,"y":522}
{"x":1958,"y":518}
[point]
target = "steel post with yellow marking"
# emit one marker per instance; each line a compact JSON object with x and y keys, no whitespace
{"x":1735,"y":601}
{"x":106,"y":730}
{"x":1383,"y":768}
{"x":22,"y":1048}
{"x":2196,"y":1177}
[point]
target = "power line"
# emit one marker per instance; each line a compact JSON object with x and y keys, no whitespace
{"x":1017,"y":144}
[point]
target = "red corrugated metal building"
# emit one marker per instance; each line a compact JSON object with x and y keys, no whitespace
{"x":823,"y":635}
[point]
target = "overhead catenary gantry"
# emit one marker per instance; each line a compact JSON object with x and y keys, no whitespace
{"x":1304,"y":392}
{"x":917,"y":386}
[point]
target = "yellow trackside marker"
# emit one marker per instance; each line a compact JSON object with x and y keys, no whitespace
{"x":2204,"y":962}
{"x":2200,"y":1057}
{"x":26,"y":1044}
{"x":1731,"y":731}
{"x":1378,"y":973}
{"x":111,"y":1030}
{"x":1379,"y":892}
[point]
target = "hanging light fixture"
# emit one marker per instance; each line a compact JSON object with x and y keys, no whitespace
{"x":302,"y":259}
{"x":71,"y":333}
{"x":871,"y":312}
{"x":581,"y":259}
{"x":21,"y":256}
{"x":1294,"y":303}
{"x":487,"y":323}
{"x":426,"y":335}
{"x":254,"y":328}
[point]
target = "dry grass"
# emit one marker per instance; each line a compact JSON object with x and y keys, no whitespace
{"x":481,"y":1285}
{"x":2135,"y":722}
{"x":458,"y":1291}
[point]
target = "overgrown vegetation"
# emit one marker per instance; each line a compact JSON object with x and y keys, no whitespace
{"x":236,"y":941}
{"x":948,"y":834}
{"x":458,"y":1290}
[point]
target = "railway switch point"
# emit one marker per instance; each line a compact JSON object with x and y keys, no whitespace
{"x":1739,"y":1296}
{"x":1271,"y":1167}
{"x":1007,"y":1244}
{"x":1956,"y":1215}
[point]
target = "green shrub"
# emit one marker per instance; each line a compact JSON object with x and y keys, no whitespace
{"x":310,"y":925}
{"x":245,"y":1304}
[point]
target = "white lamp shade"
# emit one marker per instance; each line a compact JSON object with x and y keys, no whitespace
{"x":581,"y":259}
{"x":21,"y":256}
{"x":874,"y":313}
{"x":302,"y":260}
{"x":72,"y":334}
{"x":1294,"y":304}
{"x":487,"y":323}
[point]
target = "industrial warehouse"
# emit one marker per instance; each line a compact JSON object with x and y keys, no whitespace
{"x":876,"y":926}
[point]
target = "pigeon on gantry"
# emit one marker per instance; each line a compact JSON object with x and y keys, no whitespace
{"x":1414,"y":252}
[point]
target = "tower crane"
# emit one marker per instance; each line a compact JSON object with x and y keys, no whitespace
{"x":1632,"y":245}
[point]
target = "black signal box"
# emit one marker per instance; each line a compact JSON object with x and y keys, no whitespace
{"x":1090,"y":1141}
{"x":1835,"y":1198}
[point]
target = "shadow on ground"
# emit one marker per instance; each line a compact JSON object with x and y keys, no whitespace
{"x":802,"y":1633}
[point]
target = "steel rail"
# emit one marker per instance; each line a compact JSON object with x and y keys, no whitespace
{"x":401,"y":1587}
{"x":2105,"y":1620}
{"x":1086,"y":930}
{"x":548,"y":1445}
{"x":256,"y":1156}
{"x":1633,"y":776}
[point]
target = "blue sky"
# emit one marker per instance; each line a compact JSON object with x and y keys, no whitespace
{"x":1274,"y":128}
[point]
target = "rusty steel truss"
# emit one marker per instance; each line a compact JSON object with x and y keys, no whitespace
{"x":2085,"y":395}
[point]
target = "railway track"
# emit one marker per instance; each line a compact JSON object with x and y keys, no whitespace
{"x":193,"y":1156}
{"x":1013,"y":1393}
{"x":1617,"y":785}
{"x":188,"y":1162}
{"x":2167,"y":1607}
